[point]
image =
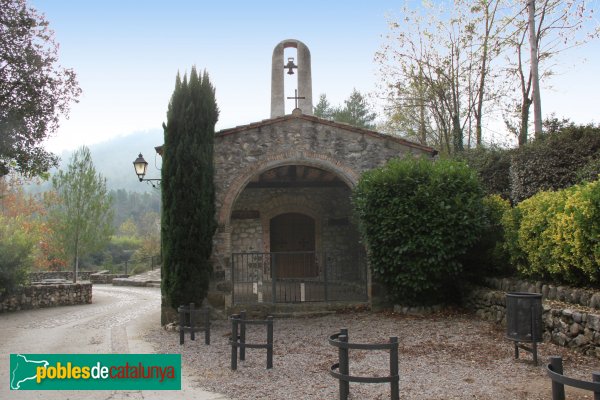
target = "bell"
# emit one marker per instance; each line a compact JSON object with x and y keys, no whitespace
{"x":290,"y":65}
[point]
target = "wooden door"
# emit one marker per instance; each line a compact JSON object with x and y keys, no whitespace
{"x":294,"y":234}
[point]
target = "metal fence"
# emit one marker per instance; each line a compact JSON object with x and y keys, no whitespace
{"x":292,"y":277}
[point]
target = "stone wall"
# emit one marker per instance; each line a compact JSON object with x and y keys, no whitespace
{"x":103,"y":277}
{"x":67,"y":275}
{"x":567,"y":325}
{"x":246,"y":235}
{"x":330,"y":207}
{"x":52,"y":295}
{"x":583,"y":297}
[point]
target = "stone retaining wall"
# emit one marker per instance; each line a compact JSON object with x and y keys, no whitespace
{"x":104,"y":277}
{"x":68,"y":275}
{"x":584,"y":297}
{"x":573,"y":327}
{"x":41,"y":296}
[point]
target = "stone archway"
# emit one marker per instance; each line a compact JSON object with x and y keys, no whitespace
{"x":318,"y":199}
{"x":347,"y":174}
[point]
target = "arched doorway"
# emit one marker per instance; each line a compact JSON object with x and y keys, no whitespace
{"x":292,"y":238}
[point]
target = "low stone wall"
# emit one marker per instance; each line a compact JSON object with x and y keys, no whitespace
{"x":67,"y":275}
{"x":105,"y":277}
{"x":584,"y":297}
{"x":52,"y":295}
{"x":574,"y":327}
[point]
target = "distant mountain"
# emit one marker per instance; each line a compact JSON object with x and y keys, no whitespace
{"x":114,"y":160}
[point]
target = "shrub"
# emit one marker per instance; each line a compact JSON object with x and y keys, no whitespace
{"x":15,"y":256}
{"x":417,"y":218}
{"x":576,"y":235}
{"x":534,"y":236}
{"x":553,"y":161}
{"x":493,"y":169}
{"x":554,"y":235}
{"x":590,"y":171}
{"x":511,"y":220}
{"x":488,"y":256}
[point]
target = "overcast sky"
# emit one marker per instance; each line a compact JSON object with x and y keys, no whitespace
{"x":126,"y":55}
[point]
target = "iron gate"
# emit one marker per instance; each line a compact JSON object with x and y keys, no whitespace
{"x":302,"y":276}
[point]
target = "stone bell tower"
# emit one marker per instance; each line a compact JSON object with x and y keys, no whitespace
{"x":303,"y":95}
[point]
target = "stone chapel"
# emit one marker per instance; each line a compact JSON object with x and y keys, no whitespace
{"x":285,"y":228}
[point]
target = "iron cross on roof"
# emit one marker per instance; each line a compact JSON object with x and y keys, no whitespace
{"x":295,"y":97}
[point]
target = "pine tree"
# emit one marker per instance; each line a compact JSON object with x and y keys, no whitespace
{"x":188,"y":217}
{"x":82,"y":217}
{"x":356,"y":111}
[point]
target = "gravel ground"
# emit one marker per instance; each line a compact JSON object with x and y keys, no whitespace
{"x":451,"y":355}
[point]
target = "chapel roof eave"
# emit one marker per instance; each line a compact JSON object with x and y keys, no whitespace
{"x":340,"y":125}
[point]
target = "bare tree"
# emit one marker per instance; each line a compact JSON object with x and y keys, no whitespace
{"x":552,"y":26}
{"x":438,"y":69}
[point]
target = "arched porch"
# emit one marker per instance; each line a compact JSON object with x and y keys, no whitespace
{"x":292,"y":238}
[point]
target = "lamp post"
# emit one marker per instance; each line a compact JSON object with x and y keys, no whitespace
{"x":140,"y":165}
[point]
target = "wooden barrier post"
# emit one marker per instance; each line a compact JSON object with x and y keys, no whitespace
{"x":192,"y":322}
{"x":206,"y":325}
{"x":344,"y":364}
{"x":395,"y":384}
{"x":558,"y":389}
{"x":596,"y":378}
{"x":181,"y":325}
{"x":234,"y":340}
{"x":269,"y":342}
{"x":242,"y":340}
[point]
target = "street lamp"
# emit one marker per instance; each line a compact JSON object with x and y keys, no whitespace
{"x":140,"y":165}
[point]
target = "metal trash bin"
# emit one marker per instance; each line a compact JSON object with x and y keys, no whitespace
{"x":524,"y":321}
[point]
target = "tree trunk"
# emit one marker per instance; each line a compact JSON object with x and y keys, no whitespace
{"x":524,"y":120}
{"x":457,"y":134}
{"x":480,"y":91}
{"x":76,"y":263}
{"x":422,"y":130}
{"x":537,"y":101}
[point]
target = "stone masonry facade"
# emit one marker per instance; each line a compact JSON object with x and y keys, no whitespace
{"x":244,"y":152}
{"x":325,"y":205}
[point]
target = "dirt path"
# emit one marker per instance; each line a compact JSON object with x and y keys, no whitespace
{"x":446,"y":356}
{"x":115,"y":322}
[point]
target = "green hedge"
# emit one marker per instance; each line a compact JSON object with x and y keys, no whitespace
{"x":565,"y":155}
{"x":488,"y":256}
{"x":555,"y":161}
{"x":556,"y":235}
{"x":493,"y":169}
{"x":417,"y":218}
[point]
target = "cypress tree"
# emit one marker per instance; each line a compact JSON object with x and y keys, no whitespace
{"x":188,"y":216}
